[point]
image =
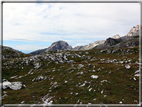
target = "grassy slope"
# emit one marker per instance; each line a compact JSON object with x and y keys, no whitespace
{"x":12,"y":53}
{"x":120,"y":85}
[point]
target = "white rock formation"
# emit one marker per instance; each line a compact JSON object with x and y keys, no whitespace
{"x":116,"y":36}
{"x":92,"y":45}
{"x":134,"y":31}
{"x":15,"y":85}
{"x":6,"y":84}
{"x":127,"y":66}
{"x":94,"y":76}
{"x":12,"y":85}
{"x":80,"y":66}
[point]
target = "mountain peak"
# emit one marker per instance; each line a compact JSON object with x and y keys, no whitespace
{"x":134,"y":31}
{"x":59,"y":42}
{"x":59,"y":45}
{"x":116,"y":36}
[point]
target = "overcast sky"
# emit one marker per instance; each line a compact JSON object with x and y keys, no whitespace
{"x":31,"y":26}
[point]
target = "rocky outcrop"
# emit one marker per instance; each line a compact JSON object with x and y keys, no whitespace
{"x":78,"y":48}
{"x":116,"y":36}
{"x":38,"y":52}
{"x":126,"y":41}
{"x":134,"y":31}
{"x":90,"y":46}
{"x":12,"y":85}
{"x":59,"y":45}
{"x":8,"y":52}
{"x":129,"y":40}
{"x":111,"y":41}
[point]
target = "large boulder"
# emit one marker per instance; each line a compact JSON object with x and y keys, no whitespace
{"x":12,"y":85}
{"x":15,"y":85}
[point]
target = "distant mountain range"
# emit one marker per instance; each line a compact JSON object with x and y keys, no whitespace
{"x":131,"y":39}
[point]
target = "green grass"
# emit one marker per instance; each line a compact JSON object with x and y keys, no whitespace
{"x":120,"y":83}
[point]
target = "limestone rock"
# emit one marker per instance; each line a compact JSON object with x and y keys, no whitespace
{"x":15,"y":85}
{"x":116,"y":36}
{"x":58,"y":46}
{"x":12,"y":85}
{"x":127,"y":66}
{"x":134,"y":31}
{"x":80,"y":66}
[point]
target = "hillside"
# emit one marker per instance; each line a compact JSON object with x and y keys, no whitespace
{"x":8,"y":52}
{"x":103,"y":72}
{"x":73,"y":77}
{"x":129,"y":41}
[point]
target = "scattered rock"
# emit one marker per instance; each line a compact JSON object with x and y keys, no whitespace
{"x":37,"y":65}
{"x":127,"y":66}
{"x":6,"y":84}
{"x":80,"y":66}
{"x":94,"y":76}
{"x":12,"y":85}
{"x":15,"y":85}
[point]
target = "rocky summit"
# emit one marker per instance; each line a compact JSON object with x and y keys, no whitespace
{"x":134,"y":31}
{"x":116,"y":36}
{"x":106,"y":74}
{"x":58,"y":46}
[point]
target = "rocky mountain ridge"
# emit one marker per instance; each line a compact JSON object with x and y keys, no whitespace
{"x":129,"y":40}
{"x":110,"y":42}
{"x":92,"y":45}
{"x":58,"y":45}
{"x":134,"y":31}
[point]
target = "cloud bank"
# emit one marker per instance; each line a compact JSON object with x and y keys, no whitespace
{"x":76,"y":23}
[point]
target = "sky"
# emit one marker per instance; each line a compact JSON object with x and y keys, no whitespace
{"x":31,"y":26}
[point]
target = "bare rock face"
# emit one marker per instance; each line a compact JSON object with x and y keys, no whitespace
{"x":15,"y":85}
{"x":58,"y":46}
{"x":12,"y":85}
{"x":111,"y":41}
{"x":134,"y":31}
{"x":78,"y":48}
{"x":90,"y":46}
